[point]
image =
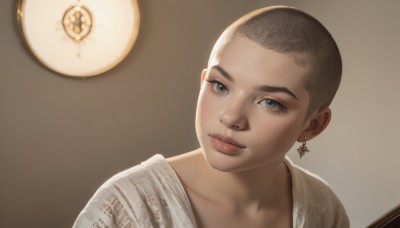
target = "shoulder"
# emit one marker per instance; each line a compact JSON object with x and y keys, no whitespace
{"x":141,"y":179}
{"x":314,"y":201}
{"x":183,"y":165}
{"x":149,"y":172}
{"x":139,"y":196}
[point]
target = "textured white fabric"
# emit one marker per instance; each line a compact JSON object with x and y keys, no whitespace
{"x":147,"y":195}
{"x":314,"y":203}
{"x":151,"y":195}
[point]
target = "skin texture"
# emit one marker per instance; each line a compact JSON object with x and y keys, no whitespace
{"x":251,"y":110}
{"x":267,"y":131}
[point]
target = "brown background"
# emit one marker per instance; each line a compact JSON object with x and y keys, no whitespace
{"x":60,"y":138}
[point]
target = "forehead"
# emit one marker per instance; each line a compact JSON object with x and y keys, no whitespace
{"x":244,"y":58}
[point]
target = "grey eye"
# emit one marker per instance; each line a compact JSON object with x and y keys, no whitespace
{"x":270,"y":104}
{"x":220,"y":88}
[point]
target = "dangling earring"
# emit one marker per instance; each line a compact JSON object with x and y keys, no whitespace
{"x":303,"y":148}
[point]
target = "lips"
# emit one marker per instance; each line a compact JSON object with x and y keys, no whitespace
{"x":226,"y":145}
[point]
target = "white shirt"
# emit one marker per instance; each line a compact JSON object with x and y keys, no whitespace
{"x":151,"y":195}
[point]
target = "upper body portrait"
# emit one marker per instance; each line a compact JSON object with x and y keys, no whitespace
{"x":270,"y":79}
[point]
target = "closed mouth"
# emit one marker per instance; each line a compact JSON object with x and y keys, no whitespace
{"x":228,"y":140}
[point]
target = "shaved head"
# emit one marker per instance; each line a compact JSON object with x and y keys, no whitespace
{"x":294,"y":33}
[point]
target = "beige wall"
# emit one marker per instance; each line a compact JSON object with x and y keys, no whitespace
{"x":60,"y":138}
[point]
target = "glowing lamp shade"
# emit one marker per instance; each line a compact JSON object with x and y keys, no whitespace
{"x":78,"y":38}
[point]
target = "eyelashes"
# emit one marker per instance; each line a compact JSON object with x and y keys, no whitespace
{"x":218,"y":86}
{"x":273,"y":105}
{"x":269,"y":104}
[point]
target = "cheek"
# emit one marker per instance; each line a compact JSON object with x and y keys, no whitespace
{"x":203,"y":108}
{"x":278,"y":133}
{"x":208,"y":106}
{"x":203,"y":111}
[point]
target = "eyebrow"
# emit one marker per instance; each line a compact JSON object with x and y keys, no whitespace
{"x":276,"y":89}
{"x":223,"y":72}
{"x":263,"y":88}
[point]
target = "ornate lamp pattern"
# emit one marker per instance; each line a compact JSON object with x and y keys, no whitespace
{"x":77,"y":22}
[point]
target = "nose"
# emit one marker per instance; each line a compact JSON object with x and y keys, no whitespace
{"x":233,"y":116}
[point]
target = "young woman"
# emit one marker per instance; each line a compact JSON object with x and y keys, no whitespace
{"x":270,"y":80}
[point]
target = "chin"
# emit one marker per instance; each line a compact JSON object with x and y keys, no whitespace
{"x":224,"y":163}
{"x":238,"y":163}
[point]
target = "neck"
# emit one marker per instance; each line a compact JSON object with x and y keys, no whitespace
{"x":255,"y":188}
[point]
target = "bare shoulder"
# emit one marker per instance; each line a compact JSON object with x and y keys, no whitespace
{"x":184,"y":164}
{"x":185,"y":159}
{"x":175,"y":160}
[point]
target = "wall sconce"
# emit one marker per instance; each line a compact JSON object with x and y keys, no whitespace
{"x":78,"y":38}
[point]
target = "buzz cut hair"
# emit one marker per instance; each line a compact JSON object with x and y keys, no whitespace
{"x":297,"y":34}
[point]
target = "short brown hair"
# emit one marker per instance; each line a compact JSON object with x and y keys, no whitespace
{"x":291,"y":31}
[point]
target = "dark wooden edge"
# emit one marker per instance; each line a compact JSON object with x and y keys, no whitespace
{"x":387,"y":218}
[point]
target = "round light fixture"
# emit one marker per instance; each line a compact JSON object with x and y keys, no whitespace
{"x":78,"y":38}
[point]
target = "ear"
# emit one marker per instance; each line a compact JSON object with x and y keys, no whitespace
{"x":316,"y":124}
{"x":203,"y":76}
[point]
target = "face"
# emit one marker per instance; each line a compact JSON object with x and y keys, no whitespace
{"x":251,"y":107}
